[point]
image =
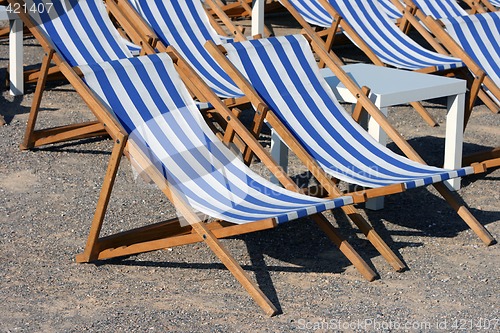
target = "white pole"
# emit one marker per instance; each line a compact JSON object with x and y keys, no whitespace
{"x":16,"y":57}
{"x":15,"y":51}
{"x":258,"y":17}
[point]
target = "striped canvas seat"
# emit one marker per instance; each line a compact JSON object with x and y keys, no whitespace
{"x":479,"y":36}
{"x":392,"y":12}
{"x":384,"y":38}
{"x":440,"y":9}
{"x":81,"y":31}
{"x":148,"y":97}
{"x":185,"y":25}
{"x":314,"y":13}
{"x":284,"y":73}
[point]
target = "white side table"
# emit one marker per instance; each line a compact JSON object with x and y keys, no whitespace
{"x":392,"y":87}
{"x":15,"y":51}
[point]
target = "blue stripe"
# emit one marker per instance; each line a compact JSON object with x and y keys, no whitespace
{"x":192,"y":55}
{"x":397,"y":40}
{"x":87,"y":50}
{"x":487,"y":48}
{"x":255,"y":78}
{"x":313,"y":12}
{"x":450,"y":8}
{"x":177,"y":156}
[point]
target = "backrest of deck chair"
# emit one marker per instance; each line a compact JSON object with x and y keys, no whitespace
{"x":285,"y":74}
{"x":388,"y":42}
{"x":440,"y":9}
{"x":392,"y":12}
{"x":185,"y":25}
{"x":80,"y":30}
{"x":313,"y":12}
{"x":151,"y":102}
{"x":479,"y":36}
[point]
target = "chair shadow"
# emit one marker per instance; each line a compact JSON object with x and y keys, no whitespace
{"x":300,"y":245}
{"x":10,"y":108}
{"x":431,"y":149}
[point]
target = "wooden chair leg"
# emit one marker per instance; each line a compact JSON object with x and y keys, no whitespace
{"x":482,"y":157}
{"x":494,"y":107}
{"x":429,"y":119}
{"x":91,"y":249}
{"x":28,"y":141}
{"x":235,"y":268}
{"x":374,"y":238}
{"x":465,"y":214}
{"x":344,"y":247}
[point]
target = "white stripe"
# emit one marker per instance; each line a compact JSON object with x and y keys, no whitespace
{"x":189,"y":38}
{"x":302,"y":105}
{"x":156,"y":146}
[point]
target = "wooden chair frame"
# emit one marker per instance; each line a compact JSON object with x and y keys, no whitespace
{"x":338,"y":24}
{"x":434,"y":33}
{"x":365,"y":103}
{"x":126,"y":14}
{"x":480,"y":6}
{"x":171,"y":233}
{"x":443,"y":43}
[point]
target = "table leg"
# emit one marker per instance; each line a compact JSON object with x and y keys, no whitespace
{"x":454,"y":137}
{"x":16,"y":57}
{"x":378,"y":133}
{"x":258,"y":17}
{"x":279,"y":152}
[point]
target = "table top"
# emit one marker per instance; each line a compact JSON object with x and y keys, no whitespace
{"x":5,"y":15}
{"x":391,"y":86}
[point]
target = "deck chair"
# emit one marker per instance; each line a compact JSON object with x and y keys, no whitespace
{"x":182,"y":24}
{"x":144,"y":106}
{"x":473,"y":38}
{"x":392,"y":12}
{"x":482,"y":6}
{"x":369,"y":28}
{"x":492,"y":5}
{"x":93,"y":42}
{"x":366,"y":24}
{"x":196,"y":57}
{"x":282,"y":74}
{"x":479,"y":37}
{"x":459,"y":43}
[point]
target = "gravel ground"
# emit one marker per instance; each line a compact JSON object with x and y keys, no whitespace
{"x":47,"y":199}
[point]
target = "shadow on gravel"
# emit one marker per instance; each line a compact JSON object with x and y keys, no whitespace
{"x":431,"y":149}
{"x":77,"y":146}
{"x":300,"y":245}
{"x":12,"y":106}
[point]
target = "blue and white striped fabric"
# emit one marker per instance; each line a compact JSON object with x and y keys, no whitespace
{"x":479,"y":36}
{"x":185,"y":25}
{"x":80,"y":30}
{"x":495,"y":3}
{"x":392,"y":12}
{"x":440,"y":9}
{"x":285,"y":74}
{"x":134,"y":49}
{"x":390,"y":45}
{"x":313,"y":12}
{"x":148,"y":97}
